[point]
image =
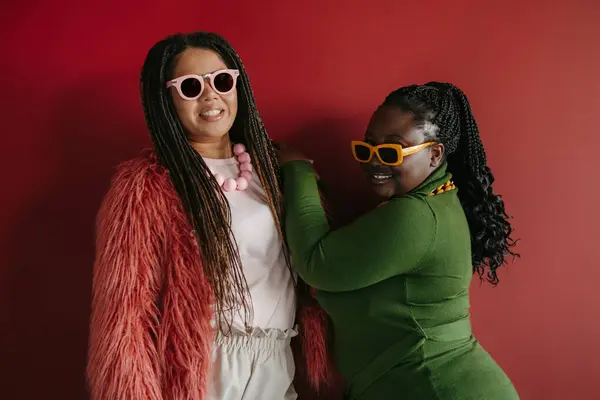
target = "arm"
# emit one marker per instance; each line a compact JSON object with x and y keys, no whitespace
{"x":123,"y":360}
{"x":390,"y":240}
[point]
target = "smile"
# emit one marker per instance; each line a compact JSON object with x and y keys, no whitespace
{"x":379,"y":179}
{"x":212,"y":115}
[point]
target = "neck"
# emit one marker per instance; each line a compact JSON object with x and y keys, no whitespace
{"x":216,"y":148}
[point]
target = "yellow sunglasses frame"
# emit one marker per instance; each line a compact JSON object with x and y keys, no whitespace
{"x":402,"y":152}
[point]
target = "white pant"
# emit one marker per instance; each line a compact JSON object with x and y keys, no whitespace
{"x":255,"y":366}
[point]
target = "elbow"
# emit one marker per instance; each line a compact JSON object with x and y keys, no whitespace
{"x":101,"y":366}
{"x":312,"y":271}
{"x":121,"y":364}
{"x":310,"y":281}
{"x":122,"y":357}
{"x":313,"y":280}
{"x":324,"y":283}
{"x":309,"y":278}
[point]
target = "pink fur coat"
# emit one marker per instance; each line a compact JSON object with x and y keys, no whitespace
{"x":150,"y":334}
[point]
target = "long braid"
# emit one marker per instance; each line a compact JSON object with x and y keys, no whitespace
{"x":447,"y":108}
{"x":205,"y":204}
{"x":262,"y":150}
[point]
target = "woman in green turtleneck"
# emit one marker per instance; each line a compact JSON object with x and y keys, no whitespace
{"x":395,"y":282}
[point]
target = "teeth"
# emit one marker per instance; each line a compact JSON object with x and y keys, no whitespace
{"x":380,"y":176}
{"x":211,"y":113}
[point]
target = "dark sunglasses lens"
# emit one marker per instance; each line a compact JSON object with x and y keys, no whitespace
{"x":362,"y":152}
{"x":191,"y":87}
{"x":389,"y":156}
{"x":224,"y":82}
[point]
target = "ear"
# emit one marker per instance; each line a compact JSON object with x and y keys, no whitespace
{"x":436,"y":153}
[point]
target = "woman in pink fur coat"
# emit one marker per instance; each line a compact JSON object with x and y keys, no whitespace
{"x":193,"y":295}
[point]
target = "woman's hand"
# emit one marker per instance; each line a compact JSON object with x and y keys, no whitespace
{"x":286,"y":154}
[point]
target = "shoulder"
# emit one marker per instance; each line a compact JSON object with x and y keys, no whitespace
{"x":140,"y":170}
{"x":408,"y":219}
{"x":142,"y":173}
{"x":139,"y":181}
{"x":410,"y":207}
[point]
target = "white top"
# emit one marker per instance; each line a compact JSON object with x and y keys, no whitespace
{"x":261,"y":252}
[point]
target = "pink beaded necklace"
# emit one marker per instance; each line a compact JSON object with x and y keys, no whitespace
{"x":245,"y":176}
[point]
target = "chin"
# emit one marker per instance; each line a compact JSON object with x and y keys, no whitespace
{"x":215,"y":131}
{"x":384,"y":191}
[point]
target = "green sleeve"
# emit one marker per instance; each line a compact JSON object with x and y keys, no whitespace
{"x":390,"y":240}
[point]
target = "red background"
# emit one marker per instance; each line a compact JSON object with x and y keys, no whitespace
{"x":71,"y":112}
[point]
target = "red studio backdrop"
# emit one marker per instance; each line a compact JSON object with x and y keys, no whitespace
{"x":71,"y":112}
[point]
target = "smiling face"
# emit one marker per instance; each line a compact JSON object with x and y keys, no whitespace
{"x":209,"y":117}
{"x":390,"y":124}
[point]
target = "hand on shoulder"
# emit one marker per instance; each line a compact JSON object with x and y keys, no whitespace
{"x":287,"y":154}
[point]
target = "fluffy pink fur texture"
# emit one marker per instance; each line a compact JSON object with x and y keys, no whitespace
{"x":150,"y":334}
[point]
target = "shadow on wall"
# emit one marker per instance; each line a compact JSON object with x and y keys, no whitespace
{"x":327,"y":142}
{"x":52,"y":253}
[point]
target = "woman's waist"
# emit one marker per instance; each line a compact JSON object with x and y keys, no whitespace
{"x":270,"y":338}
{"x":377,"y":350}
{"x":266,"y":310}
{"x":357,"y":335}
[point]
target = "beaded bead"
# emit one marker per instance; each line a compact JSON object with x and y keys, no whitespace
{"x":245,"y":172}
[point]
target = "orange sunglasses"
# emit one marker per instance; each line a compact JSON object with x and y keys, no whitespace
{"x":391,"y":154}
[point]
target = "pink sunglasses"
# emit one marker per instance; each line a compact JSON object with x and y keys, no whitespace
{"x":190,"y":87}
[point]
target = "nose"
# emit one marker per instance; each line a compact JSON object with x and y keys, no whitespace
{"x":374,"y":161}
{"x":209,"y":93}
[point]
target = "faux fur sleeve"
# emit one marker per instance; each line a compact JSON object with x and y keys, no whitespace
{"x":123,"y":362}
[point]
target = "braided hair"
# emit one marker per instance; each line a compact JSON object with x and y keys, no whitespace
{"x":446,"y":109}
{"x":205,"y":204}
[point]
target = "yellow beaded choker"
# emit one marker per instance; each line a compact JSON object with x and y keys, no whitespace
{"x":446,"y":187}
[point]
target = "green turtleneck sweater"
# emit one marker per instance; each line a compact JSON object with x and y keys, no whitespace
{"x":395,"y":284}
